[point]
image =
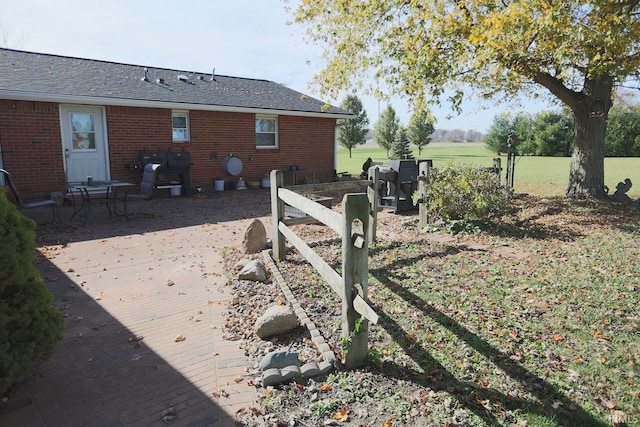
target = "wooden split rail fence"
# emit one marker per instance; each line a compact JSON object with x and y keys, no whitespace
{"x":356,"y":226}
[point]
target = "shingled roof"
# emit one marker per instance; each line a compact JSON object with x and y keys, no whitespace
{"x":54,"y":78}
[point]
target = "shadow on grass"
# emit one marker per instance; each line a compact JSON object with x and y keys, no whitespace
{"x":437,"y":376}
{"x":563,"y":219}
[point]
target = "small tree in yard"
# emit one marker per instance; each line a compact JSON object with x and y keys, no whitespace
{"x":353,"y":132}
{"x":401,"y":149}
{"x":384,"y":132}
{"x":420,"y":130}
{"x":29,"y":325}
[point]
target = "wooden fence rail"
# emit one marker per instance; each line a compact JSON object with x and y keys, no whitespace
{"x":353,"y":225}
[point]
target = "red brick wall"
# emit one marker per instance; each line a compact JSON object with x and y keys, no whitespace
{"x":32,"y":148}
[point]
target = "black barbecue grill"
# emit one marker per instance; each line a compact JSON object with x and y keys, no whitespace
{"x":399,"y":180}
{"x":171,"y":163}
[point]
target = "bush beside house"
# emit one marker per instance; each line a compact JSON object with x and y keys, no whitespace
{"x":29,"y":325}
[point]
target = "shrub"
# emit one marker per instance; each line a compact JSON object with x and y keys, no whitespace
{"x":29,"y":326}
{"x":463,"y":194}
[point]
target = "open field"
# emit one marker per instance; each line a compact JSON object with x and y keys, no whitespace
{"x":542,"y":176}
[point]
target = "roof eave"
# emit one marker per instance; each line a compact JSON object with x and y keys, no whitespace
{"x":91,"y":100}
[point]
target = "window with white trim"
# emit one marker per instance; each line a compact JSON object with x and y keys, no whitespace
{"x":266,"y":132}
{"x":180,"y":125}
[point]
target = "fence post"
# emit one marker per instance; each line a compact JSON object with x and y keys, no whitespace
{"x":423,"y":211}
{"x":277,"y":214}
{"x":355,"y":270}
{"x":497,"y":166}
{"x":372,"y":195}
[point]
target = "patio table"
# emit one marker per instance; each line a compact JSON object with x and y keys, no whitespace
{"x":100,"y":189}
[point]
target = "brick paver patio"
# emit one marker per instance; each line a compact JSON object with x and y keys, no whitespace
{"x":128,"y":289}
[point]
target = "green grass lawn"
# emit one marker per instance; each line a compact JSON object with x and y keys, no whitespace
{"x":533,"y":322}
{"x":541,"y":176}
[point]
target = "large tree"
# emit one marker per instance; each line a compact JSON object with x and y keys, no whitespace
{"x":353,"y":132}
{"x":428,"y":50}
{"x":385,"y":129}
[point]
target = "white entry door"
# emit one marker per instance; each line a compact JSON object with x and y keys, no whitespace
{"x":84,"y":142}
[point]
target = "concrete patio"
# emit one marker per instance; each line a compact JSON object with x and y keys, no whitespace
{"x":144,"y":302}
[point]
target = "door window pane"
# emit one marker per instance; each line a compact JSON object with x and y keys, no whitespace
{"x":83,"y":131}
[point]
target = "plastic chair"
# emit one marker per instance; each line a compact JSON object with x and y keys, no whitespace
{"x":145,"y":191}
{"x":34,"y":204}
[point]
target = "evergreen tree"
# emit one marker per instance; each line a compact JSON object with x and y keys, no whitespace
{"x":385,"y":129}
{"x":401,"y":148}
{"x":30,"y":326}
{"x":420,"y":130}
{"x":353,"y":132}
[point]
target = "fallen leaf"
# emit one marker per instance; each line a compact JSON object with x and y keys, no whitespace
{"x":170,"y":283}
{"x":180,"y":338}
{"x":606,"y":402}
{"x":136,"y":338}
{"x":325,"y":387}
{"x":389,"y":422}
{"x":341,"y":415}
{"x":238,"y":379}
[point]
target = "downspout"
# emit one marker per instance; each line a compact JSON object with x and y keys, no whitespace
{"x":2,"y":183}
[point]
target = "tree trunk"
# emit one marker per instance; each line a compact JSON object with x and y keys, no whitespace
{"x":590,"y":112}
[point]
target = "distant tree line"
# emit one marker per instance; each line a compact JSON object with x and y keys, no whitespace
{"x":550,"y":133}
{"x":457,"y":135}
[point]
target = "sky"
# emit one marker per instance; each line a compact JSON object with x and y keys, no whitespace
{"x":243,"y":38}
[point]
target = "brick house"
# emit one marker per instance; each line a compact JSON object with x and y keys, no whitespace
{"x":64,"y":118}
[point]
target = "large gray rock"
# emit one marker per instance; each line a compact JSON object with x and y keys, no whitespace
{"x":255,"y":238}
{"x":277,"y":320}
{"x":253,"y":270}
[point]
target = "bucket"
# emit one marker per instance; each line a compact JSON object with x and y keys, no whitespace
{"x":176,"y":190}
{"x":266,"y":181}
{"x":218,"y":184}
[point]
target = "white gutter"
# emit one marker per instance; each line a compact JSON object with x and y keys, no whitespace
{"x":95,"y":100}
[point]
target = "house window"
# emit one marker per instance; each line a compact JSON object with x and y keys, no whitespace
{"x":266,"y":132}
{"x":180,"y":120}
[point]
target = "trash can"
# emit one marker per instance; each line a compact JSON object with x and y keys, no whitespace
{"x":218,"y":184}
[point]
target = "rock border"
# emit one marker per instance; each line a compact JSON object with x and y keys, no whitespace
{"x":275,"y":376}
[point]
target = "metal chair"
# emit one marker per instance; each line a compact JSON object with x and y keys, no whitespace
{"x":145,"y":191}
{"x":34,"y":204}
